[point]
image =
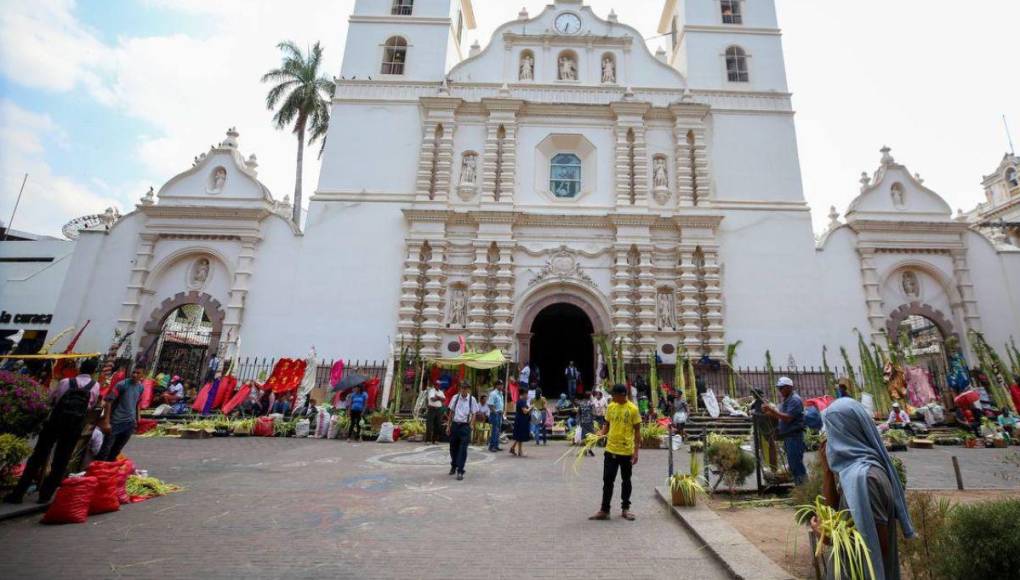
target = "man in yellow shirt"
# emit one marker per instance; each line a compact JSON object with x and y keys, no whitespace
{"x":623,"y":427}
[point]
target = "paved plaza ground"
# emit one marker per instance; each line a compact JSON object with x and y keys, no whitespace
{"x":299,"y":508}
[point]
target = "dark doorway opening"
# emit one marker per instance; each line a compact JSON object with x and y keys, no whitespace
{"x":562,"y":333}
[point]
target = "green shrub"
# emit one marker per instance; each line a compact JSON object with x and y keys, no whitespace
{"x":811,"y":488}
{"x":929,"y":515}
{"x":725,"y":455}
{"x":981,"y":542}
{"x":901,"y":470}
{"x":13,"y":450}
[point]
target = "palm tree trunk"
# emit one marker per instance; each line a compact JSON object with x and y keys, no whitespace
{"x":297,"y":180}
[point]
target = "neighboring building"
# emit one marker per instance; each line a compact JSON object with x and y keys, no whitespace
{"x":999,"y":216}
{"x":562,"y":182}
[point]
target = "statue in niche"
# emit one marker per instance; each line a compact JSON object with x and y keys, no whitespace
{"x":568,"y":68}
{"x":219,"y":179}
{"x":458,"y":308}
{"x":911,"y":287}
{"x":666,"y":310}
{"x":897,"y":195}
{"x":608,"y":70}
{"x":469,"y":170}
{"x":660,"y":178}
{"x":527,"y":72}
{"x":200,"y":272}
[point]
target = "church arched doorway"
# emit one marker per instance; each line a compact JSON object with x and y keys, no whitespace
{"x":922,"y":341}
{"x":561,"y":333}
{"x":183,"y":343}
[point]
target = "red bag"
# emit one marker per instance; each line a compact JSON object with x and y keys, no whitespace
{"x":820,"y":402}
{"x":104,"y":499}
{"x":967,"y":398}
{"x":147,"y":387}
{"x":263,"y":427}
{"x":145,"y":425}
{"x":127,"y":467}
{"x":226,"y":390}
{"x":236,"y":400}
{"x":199,"y":403}
{"x":71,"y":504}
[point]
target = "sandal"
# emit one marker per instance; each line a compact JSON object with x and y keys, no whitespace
{"x":600,"y":516}
{"x":627,"y":516}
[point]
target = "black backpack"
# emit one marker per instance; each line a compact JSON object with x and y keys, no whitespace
{"x":74,"y":405}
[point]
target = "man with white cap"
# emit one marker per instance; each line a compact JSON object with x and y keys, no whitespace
{"x":791,"y":428}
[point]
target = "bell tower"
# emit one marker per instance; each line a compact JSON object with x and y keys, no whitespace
{"x":411,"y":40}
{"x":726,"y":44}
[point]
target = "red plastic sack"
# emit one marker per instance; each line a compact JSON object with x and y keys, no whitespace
{"x":199,"y":403}
{"x":820,"y":402}
{"x":104,"y":499}
{"x":967,"y":398}
{"x":71,"y":503}
{"x":236,"y":400}
{"x":145,"y":425}
{"x":148,"y":385}
{"x":263,"y":427}
{"x":127,"y":467}
{"x":223,"y":394}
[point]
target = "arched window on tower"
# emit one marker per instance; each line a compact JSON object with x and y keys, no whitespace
{"x":394,"y":56}
{"x":1011,"y":178}
{"x":402,"y":7}
{"x":736,"y":65}
{"x":731,"y":13}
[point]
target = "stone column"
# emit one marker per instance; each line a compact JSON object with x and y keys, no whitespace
{"x":139,"y":274}
{"x":964,"y":285}
{"x":690,"y":328}
{"x":503,"y":315}
{"x":435,"y":292}
{"x":713,"y":293}
{"x":691,"y":158}
{"x":621,"y":292}
{"x":872,"y":294}
{"x":646,"y":304}
{"x":435,"y":160}
{"x":476,"y":295}
{"x":631,"y":166}
{"x":239,"y":292}
{"x":407,"y":326}
{"x":499,"y":164}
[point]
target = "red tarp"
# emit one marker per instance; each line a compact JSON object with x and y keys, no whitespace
{"x":287,"y":375}
{"x":199,"y":403}
{"x":148,"y":385}
{"x":226,"y":390}
{"x":236,"y":400}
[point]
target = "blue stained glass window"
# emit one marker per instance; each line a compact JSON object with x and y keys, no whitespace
{"x":565,"y":175}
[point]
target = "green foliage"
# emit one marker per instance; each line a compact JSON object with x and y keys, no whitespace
{"x":896,"y":437}
{"x":725,"y":455}
{"x":806,"y":492}
{"x":849,"y":370}
{"x":23,"y":404}
{"x":830,"y":379}
{"x":901,"y":470}
{"x":929,"y":515}
{"x":13,"y":450}
{"x":994,"y":369}
{"x":981,"y":541}
{"x":653,"y":380}
{"x":412,"y":428}
{"x":848,"y":551}
{"x":771,"y":374}
{"x":690,"y":485}
{"x":813,"y":439}
{"x":731,"y":353}
{"x":652,"y":434}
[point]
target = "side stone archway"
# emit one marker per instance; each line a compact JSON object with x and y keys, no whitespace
{"x":154,"y":326}
{"x":897,"y":317}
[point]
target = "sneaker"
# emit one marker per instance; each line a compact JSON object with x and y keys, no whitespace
{"x":460,"y":477}
{"x":453,"y":470}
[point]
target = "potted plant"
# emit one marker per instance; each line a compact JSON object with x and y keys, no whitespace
{"x":684,"y":488}
{"x":727,"y":457}
{"x":896,"y":440}
{"x":970,"y":441}
{"x":651,"y":435}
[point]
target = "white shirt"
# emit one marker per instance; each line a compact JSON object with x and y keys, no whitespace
{"x":600,"y":406}
{"x":525,"y":376}
{"x":434,"y":392}
{"x":463,"y":408}
{"x":531,"y":396}
{"x":176,"y":389}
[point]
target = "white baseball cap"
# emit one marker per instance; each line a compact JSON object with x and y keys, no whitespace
{"x":784,"y":382}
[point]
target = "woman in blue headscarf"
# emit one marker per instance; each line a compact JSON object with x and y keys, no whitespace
{"x":854,"y":457}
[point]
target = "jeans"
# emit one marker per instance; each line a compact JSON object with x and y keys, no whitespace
{"x":114,"y":443}
{"x":433,"y":424}
{"x":794,"y":446}
{"x":613,"y":463}
{"x":63,"y":436}
{"x":460,"y":438}
{"x":571,"y":388}
{"x":355,"y":426}
{"x":538,"y":430}
{"x":496,"y":420}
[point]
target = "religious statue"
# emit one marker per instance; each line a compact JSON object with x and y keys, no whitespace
{"x":527,"y":72}
{"x":608,"y":70}
{"x":458,"y":308}
{"x":897,"y":195}
{"x":660,"y":179}
{"x":219,"y":179}
{"x":200,"y":273}
{"x":911,"y":287}
{"x":469,"y":170}
{"x":568,"y":69}
{"x":666,"y":310}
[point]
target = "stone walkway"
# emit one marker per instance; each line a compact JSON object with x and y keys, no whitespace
{"x":298,"y":508}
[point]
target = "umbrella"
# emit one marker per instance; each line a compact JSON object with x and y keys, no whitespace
{"x":350,"y":381}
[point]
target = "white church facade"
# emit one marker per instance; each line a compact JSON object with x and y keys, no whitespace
{"x":564,"y":181}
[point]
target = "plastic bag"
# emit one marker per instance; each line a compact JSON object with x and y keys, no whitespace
{"x":322,"y":423}
{"x":104,"y":498}
{"x":263,"y":427}
{"x":678,"y":442}
{"x":577,"y":435}
{"x":71,"y":503}
{"x":334,"y":428}
{"x":385,"y":433}
{"x":869,"y":403}
{"x":162,"y":410}
{"x":302,"y":428}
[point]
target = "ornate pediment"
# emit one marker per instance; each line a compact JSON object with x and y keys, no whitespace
{"x":562,"y":265}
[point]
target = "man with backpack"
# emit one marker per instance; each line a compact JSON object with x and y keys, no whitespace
{"x":462,"y":413}
{"x":71,"y":401}
{"x":121,"y":414}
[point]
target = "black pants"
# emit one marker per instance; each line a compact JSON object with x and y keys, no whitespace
{"x":355,"y":425}
{"x":460,"y":438}
{"x":114,"y":443}
{"x":60,"y":435}
{"x":433,"y":424}
{"x":612,"y":464}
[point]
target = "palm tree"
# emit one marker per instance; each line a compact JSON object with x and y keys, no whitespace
{"x":303,"y":97}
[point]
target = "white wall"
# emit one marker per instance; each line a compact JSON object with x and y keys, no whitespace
{"x":754,"y":157}
{"x":32,"y":287}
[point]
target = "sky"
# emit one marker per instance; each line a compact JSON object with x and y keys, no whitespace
{"x":102,"y":99}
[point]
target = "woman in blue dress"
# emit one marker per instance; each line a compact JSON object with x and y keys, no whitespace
{"x":522,"y":423}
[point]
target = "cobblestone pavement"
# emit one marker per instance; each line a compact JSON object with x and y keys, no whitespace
{"x":298,"y":508}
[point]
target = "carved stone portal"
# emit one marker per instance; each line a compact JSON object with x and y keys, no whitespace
{"x":562,"y":265}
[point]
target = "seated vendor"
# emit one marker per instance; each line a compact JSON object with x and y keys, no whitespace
{"x":898,"y":418}
{"x":563,"y":404}
{"x":174,"y":392}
